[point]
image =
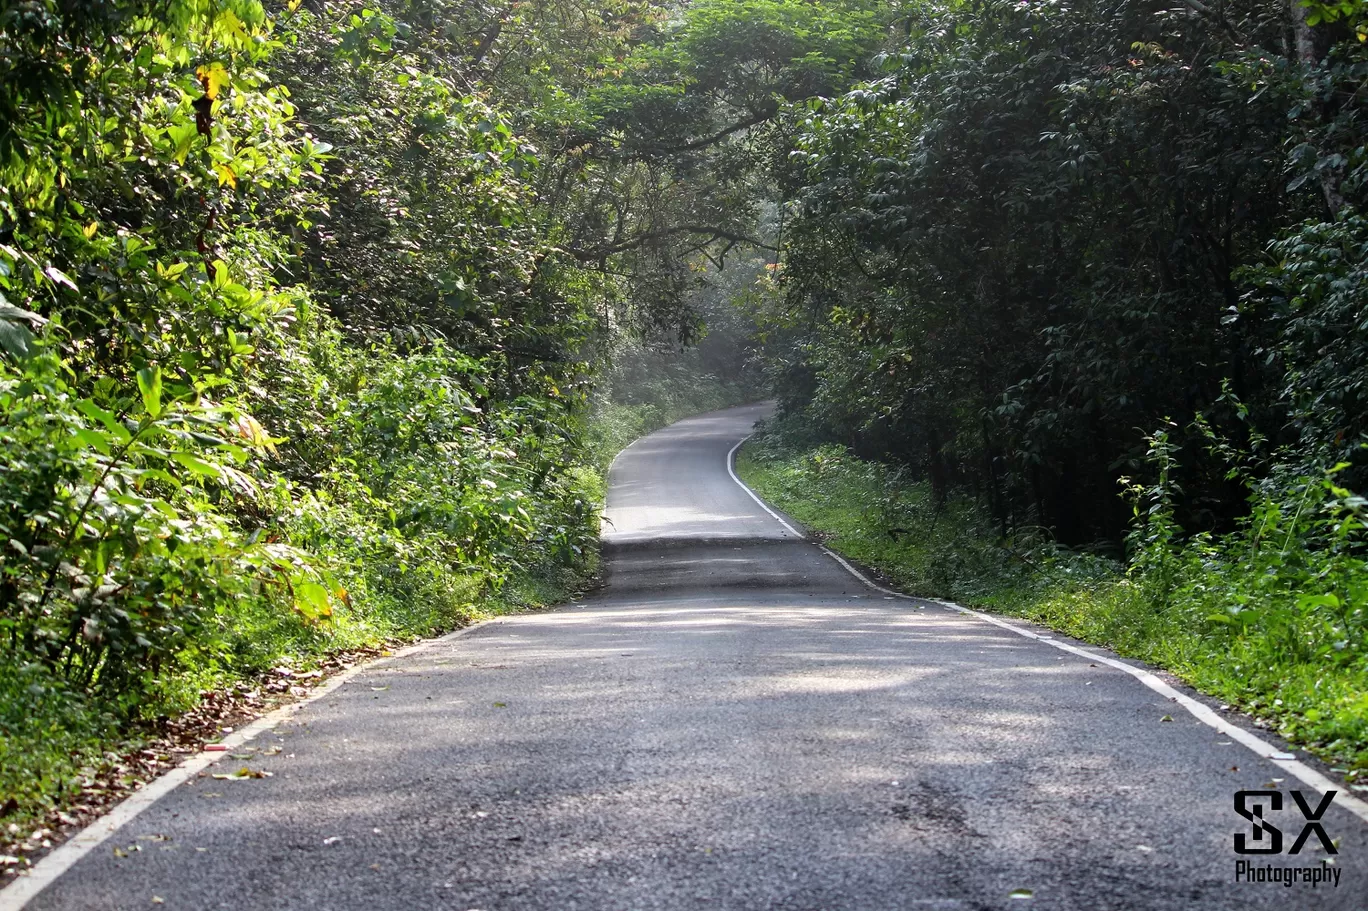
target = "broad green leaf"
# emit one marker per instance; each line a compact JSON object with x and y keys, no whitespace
{"x":172,"y":272}
{"x":150,"y":385}
{"x":182,"y":136}
{"x":196,"y":464}
{"x":94,"y":439}
{"x":15,"y":339}
{"x":110,"y":422}
{"x":311,"y":600}
{"x":10,"y":312}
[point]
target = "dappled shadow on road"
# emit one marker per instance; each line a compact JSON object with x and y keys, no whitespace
{"x":708,"y":747}
{"x":731,"y":722}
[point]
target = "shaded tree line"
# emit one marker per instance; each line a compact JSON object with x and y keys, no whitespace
{"x":1048,"y":231}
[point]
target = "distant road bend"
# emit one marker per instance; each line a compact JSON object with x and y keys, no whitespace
{"x":732,"y":722}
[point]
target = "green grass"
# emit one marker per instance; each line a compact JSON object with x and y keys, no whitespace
{"x":1254,"y":627}
{"x":48,"y":735}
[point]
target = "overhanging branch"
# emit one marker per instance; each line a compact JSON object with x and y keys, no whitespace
{"x":706,"y":141}
{"x":632,"y":243}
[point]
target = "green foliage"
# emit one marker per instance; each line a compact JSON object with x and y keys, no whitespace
{"x":49,"y":735}
{"x":665,"y":161}
{"x":288,"y":362}
{"x":1022,"y":248}
{"x":1354,"y":12}
{"x":875,"y":514}
{"x":424,"y":227}
{"x":117,"y":553}
{"x":1316,"y":293}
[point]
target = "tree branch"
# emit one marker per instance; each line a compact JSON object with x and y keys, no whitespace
{"x":693,"y":145}
{"x":632,"y":243}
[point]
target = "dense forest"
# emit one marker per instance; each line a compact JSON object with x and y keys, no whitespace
{"x":1051,"y":232}
{"x":320,"y":320}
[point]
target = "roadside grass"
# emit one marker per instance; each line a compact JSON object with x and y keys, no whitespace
{"x":1277,"y":632}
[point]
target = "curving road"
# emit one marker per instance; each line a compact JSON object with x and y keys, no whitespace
{"x":732,"y":722}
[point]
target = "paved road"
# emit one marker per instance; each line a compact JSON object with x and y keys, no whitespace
{"x":731,"y":723}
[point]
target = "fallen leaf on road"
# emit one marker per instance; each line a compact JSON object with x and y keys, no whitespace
{"x":1167,"y":718}
{"x":1021,"y":893}
{"x":242,"y":774}
{"x":379,"y":689}
{"x":332,"y":840}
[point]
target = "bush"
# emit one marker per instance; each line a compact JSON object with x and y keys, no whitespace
{"x":118,"y":552}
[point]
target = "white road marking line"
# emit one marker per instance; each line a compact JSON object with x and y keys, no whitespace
{"x":731,"y":457}
{"x":1203,"y":713}
{"x":20,"y":892}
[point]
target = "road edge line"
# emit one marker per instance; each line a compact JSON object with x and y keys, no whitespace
{"x":61,"y":859}
{"x":731,"y":470}
{"x":1203,"y":713}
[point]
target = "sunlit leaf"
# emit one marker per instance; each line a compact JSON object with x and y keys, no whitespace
{"x":214,"y":78}
{"x":150,"y":385}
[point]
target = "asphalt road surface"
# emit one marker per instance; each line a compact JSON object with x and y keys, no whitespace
{"x":732,"y":722}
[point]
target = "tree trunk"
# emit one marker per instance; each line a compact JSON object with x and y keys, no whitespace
{"x":1313,"y":47}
